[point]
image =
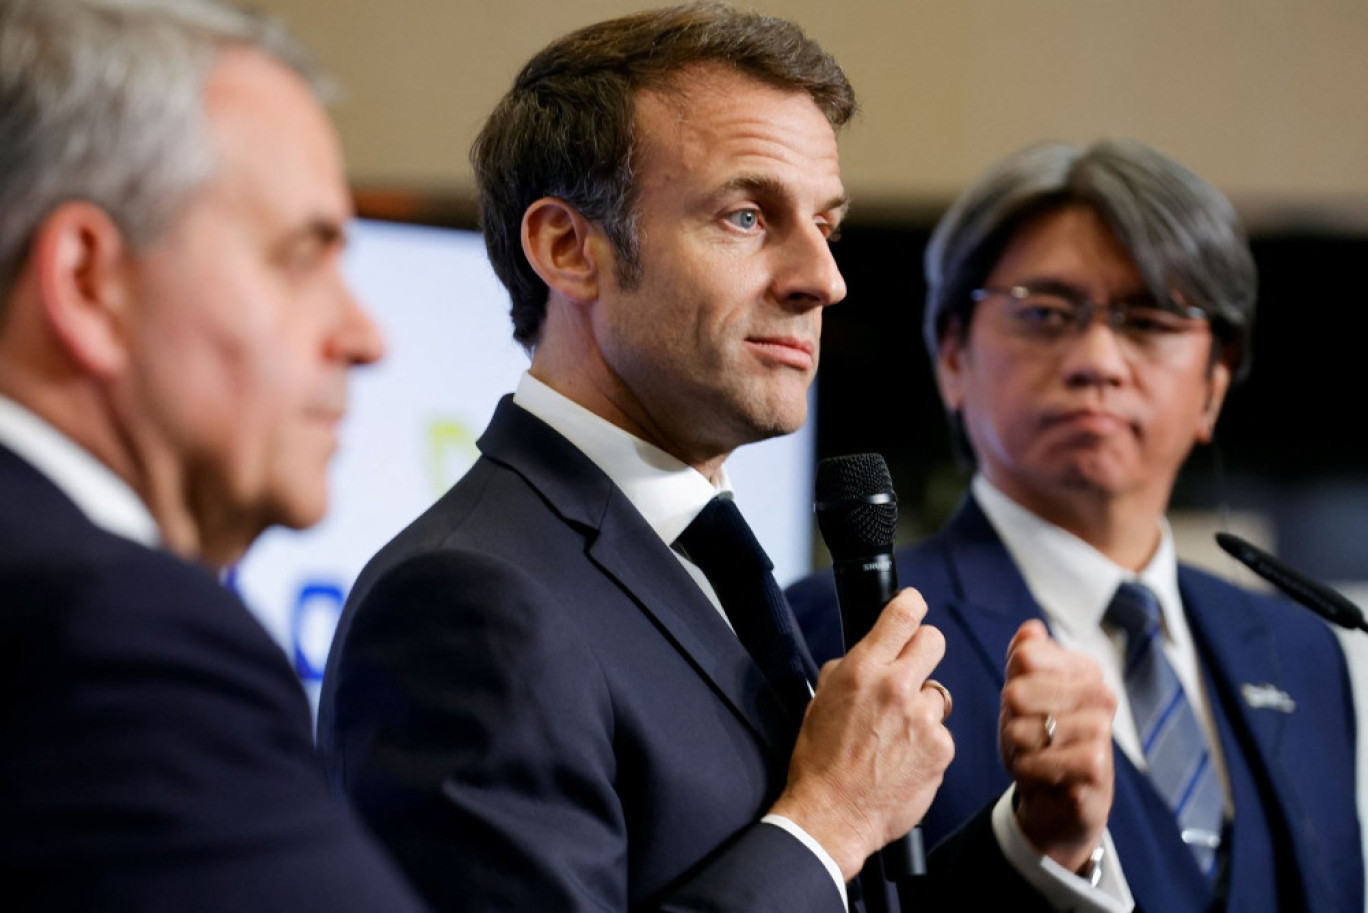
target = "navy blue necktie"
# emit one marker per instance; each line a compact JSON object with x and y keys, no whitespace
{"x":722,"y":545}
{"x":1174,"y":744}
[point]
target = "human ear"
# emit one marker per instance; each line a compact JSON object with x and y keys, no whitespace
{"x":950,"y":367}
{"x":564,"y":248}
{"x":81,"y":261}
{"x":1218,"y":384}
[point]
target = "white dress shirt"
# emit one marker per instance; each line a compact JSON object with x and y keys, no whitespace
{"x":102,"y":496}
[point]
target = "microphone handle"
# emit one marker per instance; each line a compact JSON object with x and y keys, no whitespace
{"x":863,"y":587}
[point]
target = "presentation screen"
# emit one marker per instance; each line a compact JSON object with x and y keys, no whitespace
{"x":412,"y":425}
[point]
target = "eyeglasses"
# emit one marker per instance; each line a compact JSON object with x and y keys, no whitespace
{"x":1048,"y":313}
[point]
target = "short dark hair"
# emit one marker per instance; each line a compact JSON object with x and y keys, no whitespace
{"x":1181,"y":232}
{"x":567,"y":126}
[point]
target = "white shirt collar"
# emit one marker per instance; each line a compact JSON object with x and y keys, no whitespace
{"x":665,"y":491}
{"x":101,"y":495}
{"x":1072,"y":581}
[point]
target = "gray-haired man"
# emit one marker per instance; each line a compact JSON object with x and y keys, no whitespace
{"x":175,"y":338}
{"x":1088,"y":309}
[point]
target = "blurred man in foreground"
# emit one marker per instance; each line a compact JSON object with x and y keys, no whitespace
{"x":175,"y":338}
{"x":573,"y":683}
{"x":1087,"y":310}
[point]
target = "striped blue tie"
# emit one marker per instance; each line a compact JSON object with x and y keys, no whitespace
{"x":1174,"y":745}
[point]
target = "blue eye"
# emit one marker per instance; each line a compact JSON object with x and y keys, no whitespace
{"x":745,"y":218}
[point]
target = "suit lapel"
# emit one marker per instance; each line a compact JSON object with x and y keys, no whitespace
{"x":992,"y":600}
{"x":626,"y":549}
{"x":630,"y":552}
{"x":1236,"y":646}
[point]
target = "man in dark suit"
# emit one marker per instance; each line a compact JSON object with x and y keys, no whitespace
{"x":535,"y":700}
{"x":1235,"y":729}
{"x":175,"y":338}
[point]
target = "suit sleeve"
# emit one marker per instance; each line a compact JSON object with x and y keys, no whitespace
{"x":474,"y":730}
{"x":158,"y":757}
{"x":968,"y":871}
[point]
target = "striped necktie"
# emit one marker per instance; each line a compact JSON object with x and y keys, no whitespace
{"x":1174,"y":745}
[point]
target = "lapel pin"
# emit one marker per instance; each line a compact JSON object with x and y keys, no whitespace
{"x":1267,"y":697}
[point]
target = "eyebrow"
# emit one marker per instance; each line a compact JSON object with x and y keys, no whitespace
{"x":763,"y":185}
{"x":323,"y":231}
{"x":1055,"y":285}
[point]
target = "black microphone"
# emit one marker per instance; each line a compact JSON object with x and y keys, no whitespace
{"x":1317,"y":597}
{"x":857,"y":512}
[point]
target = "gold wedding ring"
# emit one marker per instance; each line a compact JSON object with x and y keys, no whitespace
{"x":945,"y":696}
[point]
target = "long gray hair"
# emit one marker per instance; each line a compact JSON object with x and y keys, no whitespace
{"x":1181,"y":232}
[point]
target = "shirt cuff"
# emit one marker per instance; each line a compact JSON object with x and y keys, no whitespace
{"x":1062,"y":889}
{"x":806,"y":840}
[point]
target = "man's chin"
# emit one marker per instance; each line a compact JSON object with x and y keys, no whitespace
{"x":1093,"y":476}
{"x":779,"y":415}
{"x":305,"y":516}
{"x":776,"y":424}
{"x":298,"y":509}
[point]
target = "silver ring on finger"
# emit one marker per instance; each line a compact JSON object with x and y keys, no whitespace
{"x":945,"y":696}
{"x":1050,"y":724}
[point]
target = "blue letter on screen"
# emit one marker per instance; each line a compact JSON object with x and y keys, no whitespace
{"x":314,"y":620}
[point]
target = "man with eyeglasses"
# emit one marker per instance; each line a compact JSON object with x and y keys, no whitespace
{"x":1087,"y":312}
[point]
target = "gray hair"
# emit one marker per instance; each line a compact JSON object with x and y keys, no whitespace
{"x":101,"y":100}
{"x":1181,"y":232}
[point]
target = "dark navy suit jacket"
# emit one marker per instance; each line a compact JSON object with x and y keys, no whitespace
{"x":1295,"y":843}
{"x":154,"y":744}
{"x":536,"y":708}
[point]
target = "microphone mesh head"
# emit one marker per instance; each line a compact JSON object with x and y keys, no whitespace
{"x":850,"y":525}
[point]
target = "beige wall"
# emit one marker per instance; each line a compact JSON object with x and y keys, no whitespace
{"x":1266,"y":98}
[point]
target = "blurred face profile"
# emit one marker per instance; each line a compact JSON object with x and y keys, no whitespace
{"x":738,"y":193}
{"x":244,"y":330}
{"x":1097,"y":409}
